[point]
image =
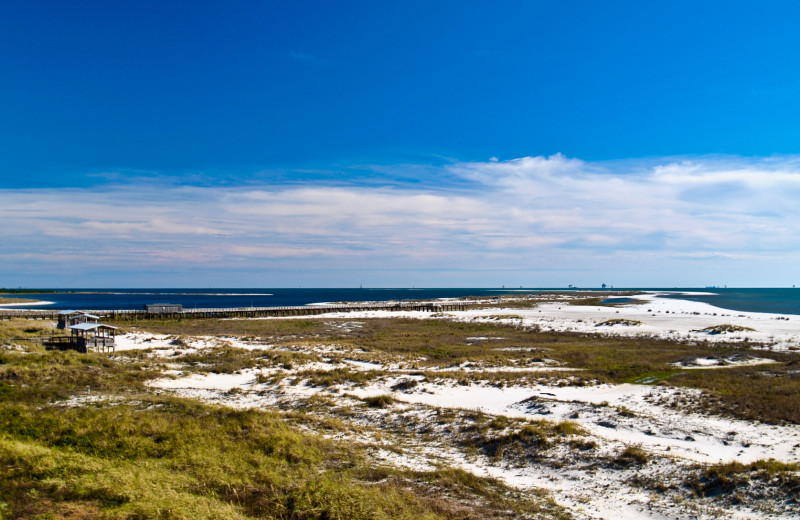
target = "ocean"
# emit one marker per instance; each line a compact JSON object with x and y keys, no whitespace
{"x":126,"y":299}
{"x":775,"y":300}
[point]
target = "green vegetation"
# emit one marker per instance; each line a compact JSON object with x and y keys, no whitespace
{"x":379,"y":401}
{"x":229,"y":360}
{"x":514,"y":442}
{"x":338,"y":376}
{"x":653,"y":378}
{"x":41,"y":378}
{"x":631,"y":456}
{"x":82,"y":436}
{"x":727,"y":478}
{"x":770,"y":395}
{"x":265,"y":330}
{"x":751,"y":392}
{"x":171,"y":459}
{"x":726,"y":327}
{"x":517,"y":301}
{"x":619,"y":321}
{"x":18,"y":328}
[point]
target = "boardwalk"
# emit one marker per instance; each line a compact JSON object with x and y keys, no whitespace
{"x":246,"y":312}
{"x":84,"y":345}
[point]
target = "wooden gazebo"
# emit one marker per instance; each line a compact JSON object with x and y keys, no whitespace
{"x":97,"y":336}
{"x":67,"y":319}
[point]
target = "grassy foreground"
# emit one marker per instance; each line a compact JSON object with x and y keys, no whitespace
{"x":81,"y":436}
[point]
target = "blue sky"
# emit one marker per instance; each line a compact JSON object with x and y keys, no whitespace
{"x":397,"y":144}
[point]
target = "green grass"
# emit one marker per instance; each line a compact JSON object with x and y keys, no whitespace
{"x":652,"y":378}
{"x":631,"y":456}
{"x":265,"y":329}
{"x":20,"y":328}
{"x":44,"y":377}
{"x":141,"y":455}
{"x":169,"y":458}
{"x":379,"y":401}
{"x":518,"y":440}
{"x":619,"y":321}
{"x":770,"y":395}
{"x":136,"y":454}
{"x":728,"y":477}
{"x":229,"y":360}
{"x":337,"y":376}
{"x":726,"y":327}
{"x":517,"y":301}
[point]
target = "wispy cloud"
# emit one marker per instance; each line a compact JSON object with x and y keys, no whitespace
{"x":312,"y":60}
{"x":532,"y":213}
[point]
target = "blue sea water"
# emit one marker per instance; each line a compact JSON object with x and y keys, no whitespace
{"x":775,"y":300}
{"x":126,"y":299}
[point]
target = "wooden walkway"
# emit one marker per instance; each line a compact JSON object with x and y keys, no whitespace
{"x":71,"y":343}
{"x":245,"y":312}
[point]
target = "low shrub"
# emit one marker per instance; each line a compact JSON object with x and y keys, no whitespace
{"x":379,"y":401}
{"x":632,"y":455}
{"x":726,"y":327}
{"x":618,"y":321}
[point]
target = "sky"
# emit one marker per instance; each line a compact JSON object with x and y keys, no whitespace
{"x":427,"y":144}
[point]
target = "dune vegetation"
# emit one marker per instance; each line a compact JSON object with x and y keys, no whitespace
{"x":770,"y":394}
{"x":81,"y":436}
{"x":92,"y":435}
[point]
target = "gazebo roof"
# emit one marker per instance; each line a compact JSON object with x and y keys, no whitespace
{"x":91,"y":326}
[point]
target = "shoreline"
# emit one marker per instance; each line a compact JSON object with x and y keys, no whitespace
{"x":784,"y":301}
{"x":647,"y":314}
{"x":25,"y":304}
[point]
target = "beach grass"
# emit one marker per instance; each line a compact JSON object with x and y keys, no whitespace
{"x":262,"y":329}
{"x":83,"y":436}
{"x":730,"y":476}
{"x":19,"y":329}
{"x":169,"y":458}
{"x":527,"y":301}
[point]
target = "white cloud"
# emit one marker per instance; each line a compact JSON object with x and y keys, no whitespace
{"x":156,"y":225}
{"x":532,"y":212}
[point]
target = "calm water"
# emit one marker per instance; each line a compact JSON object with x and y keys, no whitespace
{"x":116,"y":299}
{"x":784,"y":301}
{"x":781,"y":301}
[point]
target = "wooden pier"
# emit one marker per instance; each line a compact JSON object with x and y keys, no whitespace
{"x":246,"y":312}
